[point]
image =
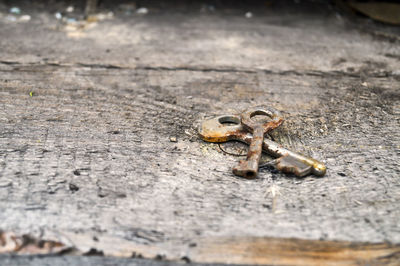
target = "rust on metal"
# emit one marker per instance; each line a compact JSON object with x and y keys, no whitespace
{"x":239,"y":127}
{"x":249,"y":168}
{"x":221,"y":129}
{"x":289,"y":164}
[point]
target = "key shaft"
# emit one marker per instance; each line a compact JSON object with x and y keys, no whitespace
{"x":249,"y":168}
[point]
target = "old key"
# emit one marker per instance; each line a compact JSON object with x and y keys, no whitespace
{"x":229,"y":127}
{"x":248,"y":168}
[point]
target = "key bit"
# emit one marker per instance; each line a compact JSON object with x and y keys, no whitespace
{"x":291,"y":162}
{"x":290,"y":165}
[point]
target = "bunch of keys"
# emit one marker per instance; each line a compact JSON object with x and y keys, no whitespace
{"x":248,"y":130}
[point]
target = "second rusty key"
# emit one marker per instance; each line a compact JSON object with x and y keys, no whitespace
{"x":249,"y":168}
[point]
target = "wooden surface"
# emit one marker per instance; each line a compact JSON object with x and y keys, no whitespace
{"x":88,"y":111}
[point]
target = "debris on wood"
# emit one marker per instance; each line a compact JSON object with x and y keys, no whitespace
{"x":28,"y":245}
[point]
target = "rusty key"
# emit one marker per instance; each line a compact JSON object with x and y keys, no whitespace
{"x":228,"y":127}
{"x":249,"y":168}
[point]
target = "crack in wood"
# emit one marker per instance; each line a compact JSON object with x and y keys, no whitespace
{"x":333,"y":73}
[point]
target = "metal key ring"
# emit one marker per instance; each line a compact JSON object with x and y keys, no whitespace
{"x":221,"y":128}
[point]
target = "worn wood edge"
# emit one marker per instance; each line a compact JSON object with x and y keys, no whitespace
{"x":230,"y":250}
{"x":286,"y":251}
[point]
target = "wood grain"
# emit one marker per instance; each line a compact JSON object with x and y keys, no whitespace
{"x":87,"y":116}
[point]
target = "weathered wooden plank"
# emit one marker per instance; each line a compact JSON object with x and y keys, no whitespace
{"x":86,"y":158}
{"x":231,"y":250}
{"x":115,"y":168}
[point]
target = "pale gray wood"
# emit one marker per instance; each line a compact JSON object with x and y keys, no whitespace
{"x":80,"y":260}
{"x":87,"y":159}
